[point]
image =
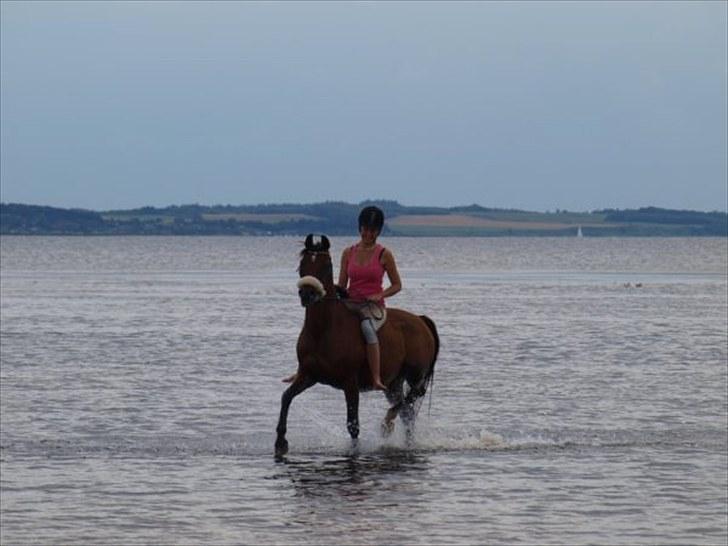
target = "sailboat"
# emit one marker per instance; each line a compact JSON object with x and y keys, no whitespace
{"x":579,"y":233}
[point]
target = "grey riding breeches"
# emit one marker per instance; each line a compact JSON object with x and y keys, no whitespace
{"x":370,"y":333}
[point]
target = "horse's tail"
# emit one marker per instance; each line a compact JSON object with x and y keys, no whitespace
{"x":430,"y":376}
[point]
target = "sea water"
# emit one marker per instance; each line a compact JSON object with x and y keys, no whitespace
{"x":580,"y":396}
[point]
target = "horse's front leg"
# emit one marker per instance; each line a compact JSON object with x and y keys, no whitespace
{"x":352,"y":412}
{"x":300,"y":384}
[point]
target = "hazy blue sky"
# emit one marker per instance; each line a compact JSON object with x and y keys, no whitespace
{"x":534,"y":105}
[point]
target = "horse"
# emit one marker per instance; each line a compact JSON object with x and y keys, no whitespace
{"x":331,"y":349}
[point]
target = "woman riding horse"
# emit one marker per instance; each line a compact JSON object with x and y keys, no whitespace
{"x":361,"y":273}
{"x":331,"y":350}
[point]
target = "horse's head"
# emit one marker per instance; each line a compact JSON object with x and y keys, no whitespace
{"x":316,"y":271}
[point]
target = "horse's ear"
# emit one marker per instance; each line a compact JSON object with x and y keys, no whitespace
{"x":309,"y":241}
{"x":325,"y":245}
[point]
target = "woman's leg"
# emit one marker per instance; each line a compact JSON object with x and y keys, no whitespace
{"x":374,"y":365}
{"x":373,"y":355}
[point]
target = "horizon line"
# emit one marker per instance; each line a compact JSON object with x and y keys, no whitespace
{"x":362,"y":203}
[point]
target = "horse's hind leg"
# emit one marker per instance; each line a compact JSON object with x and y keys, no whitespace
{"x":408,"y":414}
{"x":410,"y":405}
{"x":300,"y":384}
{"x":395,"y":396}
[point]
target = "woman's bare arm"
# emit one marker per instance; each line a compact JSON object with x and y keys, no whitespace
{"x":395,"y":282}
{"x":343,"y":275}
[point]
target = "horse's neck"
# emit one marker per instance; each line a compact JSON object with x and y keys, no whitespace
{"x":319,"y":317}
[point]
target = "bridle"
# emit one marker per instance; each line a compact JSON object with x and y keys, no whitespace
{"x":314,"y":255}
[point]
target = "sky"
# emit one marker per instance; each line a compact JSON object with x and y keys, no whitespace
{"x":531,"y":105}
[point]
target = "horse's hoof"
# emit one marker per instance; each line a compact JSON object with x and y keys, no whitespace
{"x":281,"y":447}
{"x":387,"y":428}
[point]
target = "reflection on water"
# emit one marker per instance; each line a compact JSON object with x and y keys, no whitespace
{"x":355,"y":477}
{"x":370,"y":498}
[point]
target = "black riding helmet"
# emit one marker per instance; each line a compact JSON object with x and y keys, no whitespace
{"x":371,"y":217}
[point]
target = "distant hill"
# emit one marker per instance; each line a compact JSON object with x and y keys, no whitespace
{"x":339,"y":218}
{"x":31,"y":219}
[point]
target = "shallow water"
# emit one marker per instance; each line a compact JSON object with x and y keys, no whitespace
{"x":140,"y":388}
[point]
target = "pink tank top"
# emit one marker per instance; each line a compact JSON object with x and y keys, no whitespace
{"x":365,"y":280}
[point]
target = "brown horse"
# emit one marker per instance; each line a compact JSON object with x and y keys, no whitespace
{"x":331,"y":349}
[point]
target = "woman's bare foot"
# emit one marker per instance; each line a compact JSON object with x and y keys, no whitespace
{"x":290,"y":378}
{"x":378,"y":385}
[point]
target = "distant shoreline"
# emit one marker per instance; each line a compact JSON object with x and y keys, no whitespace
{"x":339,"y":218}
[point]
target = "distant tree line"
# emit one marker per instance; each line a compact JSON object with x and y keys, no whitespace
{"x":330,"y":217}
{"x":704,"y":223}
{"x":30,"y":219}
{"x":654,"y":215}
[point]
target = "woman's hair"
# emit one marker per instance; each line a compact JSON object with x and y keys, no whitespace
{"x":371,"y":217}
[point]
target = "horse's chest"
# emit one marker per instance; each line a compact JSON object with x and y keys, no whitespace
{"x":330,"y":350}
